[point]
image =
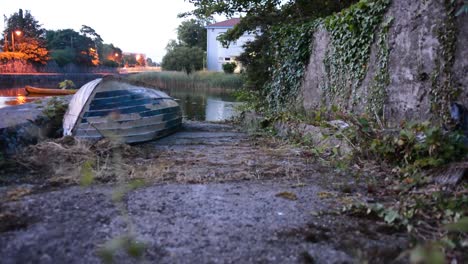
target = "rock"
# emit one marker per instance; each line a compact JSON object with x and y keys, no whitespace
{"x":23,"y":125}
{"x":253,"y":121}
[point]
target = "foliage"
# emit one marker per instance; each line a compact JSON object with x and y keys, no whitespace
{"x":443,"y":89}
{"x":420,"y":146}
{"x":54,"y":111}
{"x":352,"y":34}
{"x":192,"y":33}
{"x":83,"y":48}
{"x":188,"y":53}
{"x":129,"y":59}
{"x":67,"y":84}
{"x":195,"y":80}
{"x":8,"y":56}
{"x":275,"y":19}
{"x":68,"y":42}
{"x":26,"y":23}
{"x":187,"y":59}
{"x":110,"y":63}
{"x":109,"y":55}
{"x":63,"y":57}
{"x":33,"y":51}
{"x":55,"y":108}
{"x":291,"y":51}
{"x":229,"y":67}
{"x":31,"y":41}
{"x":91,"y":33}
{"x":378,"y":94}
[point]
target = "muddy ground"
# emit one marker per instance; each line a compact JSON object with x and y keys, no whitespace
{"x":210,"y":194}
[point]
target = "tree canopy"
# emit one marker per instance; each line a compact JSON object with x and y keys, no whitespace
{"x":188,"y":52}
{"x":183,"y":58}
{"x":64,"y":46}
{"x":261,"y":55}
{"x":30,"y":39}
{"x":81,"y":48}
{"x":192,"y":33}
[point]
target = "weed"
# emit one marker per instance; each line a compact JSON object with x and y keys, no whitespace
{"x":166,"y":80}
{"x":67,"y":84}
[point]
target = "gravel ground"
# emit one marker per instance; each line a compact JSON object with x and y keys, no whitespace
{"x":225,"y":197}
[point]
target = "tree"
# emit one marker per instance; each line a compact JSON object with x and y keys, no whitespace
{"x":110,"y":55}
{"x":188,"y":52}
{"x":91,"y":33}
{"x":192,"y":33}
{"x":150,"y":62}
{"x":263,"y":15}
{"x":82,"y":47}
{"x":183,"y":58}
{"x":31,"y":40}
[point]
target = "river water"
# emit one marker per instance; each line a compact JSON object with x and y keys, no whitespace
{"x":213,"y":104}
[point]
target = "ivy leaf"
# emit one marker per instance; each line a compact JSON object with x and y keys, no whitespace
{"x":391,"y":216}
{"x":460,"y":226}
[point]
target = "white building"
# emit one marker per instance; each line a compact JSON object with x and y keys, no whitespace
{"x":217,"y":55}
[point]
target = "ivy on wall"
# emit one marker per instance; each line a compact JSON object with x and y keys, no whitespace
{"x":377,"y":90}
{"x":291,"y":47}
{"x":352,"y":35}
{"x":353,"y":31}
{"x":443,"y":91}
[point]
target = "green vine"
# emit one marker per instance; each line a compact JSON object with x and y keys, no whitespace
{"x":352,"y":35}
{"x":442,"y":89}
{"x":291,"y":54}
{"x":377,"y":91}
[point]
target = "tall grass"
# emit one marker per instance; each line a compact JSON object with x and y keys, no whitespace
{"x":198,"y":80}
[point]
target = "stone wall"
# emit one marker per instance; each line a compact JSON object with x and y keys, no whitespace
{"x":416,"y":58}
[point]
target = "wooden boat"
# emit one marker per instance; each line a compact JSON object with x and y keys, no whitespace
{"x":49,"y":91}
{"x":122,"y":110}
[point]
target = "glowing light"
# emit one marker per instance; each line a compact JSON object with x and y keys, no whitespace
{"x":18,"y":32}
{"x":21,"y":99}
{"x":138,"y":57}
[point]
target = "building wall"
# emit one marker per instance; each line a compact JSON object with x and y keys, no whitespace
{"x":217,"y":55}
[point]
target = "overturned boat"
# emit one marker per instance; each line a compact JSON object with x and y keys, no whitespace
{"x":122,"y":110}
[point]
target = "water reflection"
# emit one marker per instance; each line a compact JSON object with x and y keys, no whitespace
{"x":15,"y":96}
{"x":218,"y":110}
{"x":214,"y":104}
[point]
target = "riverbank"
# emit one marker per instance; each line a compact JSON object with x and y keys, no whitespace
{"x":209,"y":193}
{"x":48,"y":80}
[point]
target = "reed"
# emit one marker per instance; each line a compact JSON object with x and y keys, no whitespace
{"x":198,"y":80}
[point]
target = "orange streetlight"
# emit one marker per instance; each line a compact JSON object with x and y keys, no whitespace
{"x":18,"y":33}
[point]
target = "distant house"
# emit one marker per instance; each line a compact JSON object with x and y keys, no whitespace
{"x":217,"y":55}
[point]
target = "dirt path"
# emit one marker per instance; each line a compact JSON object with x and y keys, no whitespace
{"x":217,"y":196}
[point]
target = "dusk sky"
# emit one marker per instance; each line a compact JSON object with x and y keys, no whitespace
{"x":140,"y":26}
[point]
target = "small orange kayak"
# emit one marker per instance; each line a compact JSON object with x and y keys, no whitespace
{"x":49,"y":91}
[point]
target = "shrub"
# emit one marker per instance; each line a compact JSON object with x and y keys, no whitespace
{"x":67,"y":84}
{"x":229,"y":67}
{"x":110,"y":63}
{"x":63,"y":57}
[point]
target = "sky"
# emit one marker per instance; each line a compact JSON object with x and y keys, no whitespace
{"x":139,"y":26}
